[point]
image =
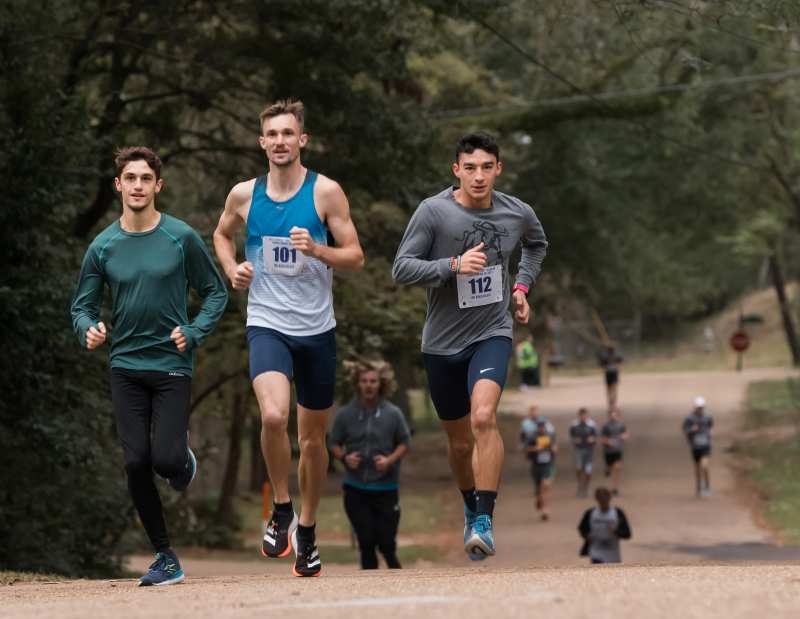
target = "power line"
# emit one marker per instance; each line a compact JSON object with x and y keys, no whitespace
{"x":692,"y":12}
{"x":773,"y":76}
{"x":591,"y":97}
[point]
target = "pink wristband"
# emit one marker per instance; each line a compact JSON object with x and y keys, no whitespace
{"x":522,"y":287}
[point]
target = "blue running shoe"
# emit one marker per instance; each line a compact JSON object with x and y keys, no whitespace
{"x":165,"y":570}
{"x":182,"y":481}
{"x":469,"y":520}
{"x":480,"y":543}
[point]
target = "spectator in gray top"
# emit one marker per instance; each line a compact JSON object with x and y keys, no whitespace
{"x":370,"y":436}
{"x":601,"y":529}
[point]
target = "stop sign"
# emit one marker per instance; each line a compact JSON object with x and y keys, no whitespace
{"x":740,"y":341}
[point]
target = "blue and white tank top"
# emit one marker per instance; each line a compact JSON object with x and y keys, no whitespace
{"x":290,"y":292}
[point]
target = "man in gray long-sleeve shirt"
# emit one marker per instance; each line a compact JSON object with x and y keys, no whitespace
{"x":457,"y":245}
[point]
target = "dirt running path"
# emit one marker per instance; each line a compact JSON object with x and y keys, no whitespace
{"x":537,"y":571}
{"x":670,"y":525}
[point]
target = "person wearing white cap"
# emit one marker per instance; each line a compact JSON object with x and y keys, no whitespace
{"x":697,"y":429}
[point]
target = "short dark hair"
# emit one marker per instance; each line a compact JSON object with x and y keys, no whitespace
{"x":125,"y":155}
{"x":477,"y":141}
{"x":603,"y":495}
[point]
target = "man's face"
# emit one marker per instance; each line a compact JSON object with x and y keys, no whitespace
{"x":281,"y":138}
{"x":137,"y":185}
{"x":533,"y":412}
{"x":477,"y":172}
{"x":368,"y":385}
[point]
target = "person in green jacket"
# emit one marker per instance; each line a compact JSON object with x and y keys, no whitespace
{"x":149,"y":260}
{"x":528,"y":363}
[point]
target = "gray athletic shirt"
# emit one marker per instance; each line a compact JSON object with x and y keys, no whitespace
{"x":442,"y":228}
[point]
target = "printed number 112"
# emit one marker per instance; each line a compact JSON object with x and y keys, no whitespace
{"x":480,"y":285}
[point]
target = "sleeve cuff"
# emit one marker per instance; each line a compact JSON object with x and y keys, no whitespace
{"x":191,"y":337}
{"x":443,"y":266}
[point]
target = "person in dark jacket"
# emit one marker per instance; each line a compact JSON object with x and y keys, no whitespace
{"x":602,"y":528}
{"x":370,"y":436}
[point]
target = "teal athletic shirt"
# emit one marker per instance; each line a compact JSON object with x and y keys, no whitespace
{"x":149,"y":275}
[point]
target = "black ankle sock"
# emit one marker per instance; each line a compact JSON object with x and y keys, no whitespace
{"x":306,"y":533}
{"x":485,"y":501}
{"x":283,"y":508}
{"x":469,"y":499}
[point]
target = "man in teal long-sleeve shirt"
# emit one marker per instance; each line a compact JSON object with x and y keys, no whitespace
{"x":149,"y":261}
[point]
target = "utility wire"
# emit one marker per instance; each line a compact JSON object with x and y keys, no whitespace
{"x":591,"y":97}
{"x":773,"y":76}
{"x":691,"y":12}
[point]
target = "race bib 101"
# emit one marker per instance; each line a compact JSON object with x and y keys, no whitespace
{"x":480,"y":288}
{"x":281,"y":257}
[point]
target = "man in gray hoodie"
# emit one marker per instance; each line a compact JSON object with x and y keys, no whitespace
{"x":370,"y":436}
{"x":458,"y":245}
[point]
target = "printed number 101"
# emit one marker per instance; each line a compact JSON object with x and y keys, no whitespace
{"x":282,"y":254}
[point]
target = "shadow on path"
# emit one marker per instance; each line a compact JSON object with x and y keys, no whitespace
{"x":744,"y":551}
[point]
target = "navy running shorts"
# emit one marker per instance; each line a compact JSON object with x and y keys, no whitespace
{"x":309,"y":360}
{"x":698,"y":453}
{"x":451,"y":378}
{"x":612,"y":457}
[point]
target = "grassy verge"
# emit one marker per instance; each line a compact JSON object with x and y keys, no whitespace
{"x":773,"y":416}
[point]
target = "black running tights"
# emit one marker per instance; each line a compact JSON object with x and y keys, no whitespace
{"x":375,"y":517}
{"x":152,"y":414}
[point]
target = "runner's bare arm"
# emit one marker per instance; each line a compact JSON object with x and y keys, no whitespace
{"x":233,"y":216}
{"x":347,"y":255}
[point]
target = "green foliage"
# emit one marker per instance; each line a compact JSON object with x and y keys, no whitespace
{"x":63,"y":503}
{"x":772,"y":403}
{"x":776,"y":470}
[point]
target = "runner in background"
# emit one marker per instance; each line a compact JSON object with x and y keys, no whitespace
{"x":613,"y":436}
{"x":610,"y":361}
{"x":602,"y":528}
{"x":583,"y":434}
{"x":540,"y":448}
{"x":697,"y":429}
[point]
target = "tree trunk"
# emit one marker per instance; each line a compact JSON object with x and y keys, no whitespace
{"x":231,"y":476}
{"x":786,"y":313}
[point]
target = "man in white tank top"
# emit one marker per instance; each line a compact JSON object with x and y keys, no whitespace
{"x":290,"y":213}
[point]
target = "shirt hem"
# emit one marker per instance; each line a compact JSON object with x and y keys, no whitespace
{"x":446,"y":352}
{"x":257,"y":322}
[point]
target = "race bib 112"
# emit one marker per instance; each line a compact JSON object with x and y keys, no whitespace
{"x":481,"y":288}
